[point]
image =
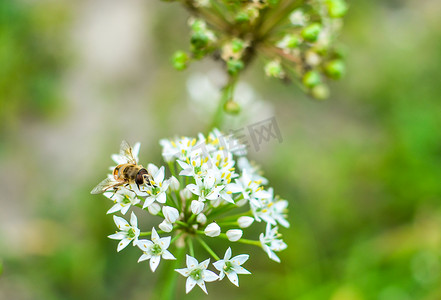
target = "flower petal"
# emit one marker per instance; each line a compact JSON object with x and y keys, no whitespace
{"x":133,"y":220}
{"x":164,"y":242}
{"x":209,"y":276}
{"x":122,"y":244}
{"x":189,"y":285}
{"x":232,"y":276}
{"x":201,"y":284}
{"x":144,"y":257}
{"x":191,"y":262}
{"x":227,"y":255}
{"x":167,"y":255}
{"x":241,"y":270}
{"x":155,"y":236}
{"x":240,"y":259}
{"x":121,"y":223}
{"x":184,"y":272}
{"x":144,"y":245}
{"x":154,"y":262}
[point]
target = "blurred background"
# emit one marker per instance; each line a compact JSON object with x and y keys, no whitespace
{"x":362,"y":171}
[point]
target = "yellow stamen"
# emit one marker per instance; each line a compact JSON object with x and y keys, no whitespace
{"x":193,"y":142}
{"x":231,"y":169}
{"x":228,"y":176}
{"x":188,"y":143}
{"x":194,"y":163}
{"x":188,"y":160}
{"x":173,"y":144}
{"x":229,"y":180}
{"x":229,"y":192}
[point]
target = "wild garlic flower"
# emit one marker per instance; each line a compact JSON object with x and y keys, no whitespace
{"x":197,"y":273}
{"x":231,"y":266}
{"x":129,"y":232}
{"x":155,"y":249}
{"x":214,"y":192}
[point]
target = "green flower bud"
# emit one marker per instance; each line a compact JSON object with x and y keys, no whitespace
{"x":311,"y":79}
{"x":237,"y":45}
{"x":232,"y":107}
{"x":234,"y":66}
{"x":242,"y":17}
{"x":199,"y":40}
{"x":274,"y":69}
{"x":180,"y":60}
{"x":335,"y":69}
{"x":320,"y":92}
{"x":198,"y":25}
{"x":337,"y":8}
{"x":311,"y":32}
{"x":272,"y":2}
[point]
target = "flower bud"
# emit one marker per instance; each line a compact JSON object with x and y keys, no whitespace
{"x":174,"y":183}
{"x":320,"y":92}
{"x":234,"y":235}
{"x":311,"y":79}
{"x":186,"y":194}
{"x":166,"y":226}
{"x":274,"y":69}
{"x":234,"y":66}
{"x":171,"y":214}
{"x":311,"y":32}
{"x":212,"y":230}
{"x":202,"y":219}
{"x":335,"y":69}
{"x":154,"y":208}
{"x":180,"y":60}
{"x":197,"y":206}
{"x":232,"y":107}
{"x":245,"y":221}
{"x":337,"y":8}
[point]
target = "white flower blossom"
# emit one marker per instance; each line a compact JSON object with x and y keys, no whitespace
{"x":159,"y":187}
{"x":197,"y":273}
{"x":231,"y":266}
{"x":128,"y":232}
{"x":123,"y":199}
{"x":271,"y":243}
{"x":206,"y":188}
{"x":166,"y":226}
{"x":155,"y":249}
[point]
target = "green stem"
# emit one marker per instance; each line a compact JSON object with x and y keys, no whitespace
{"x":209,"y":250}
{"x":227,"y":94}
{"x":236,"y":216}
{"x":148,"y":233}
{"x":190,"y":246}
{"x":182,"y":223}
{"x":166,"y":290}
{"x":175,"y":237}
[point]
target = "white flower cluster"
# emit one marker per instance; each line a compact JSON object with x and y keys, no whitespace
{"x":213,"y":191}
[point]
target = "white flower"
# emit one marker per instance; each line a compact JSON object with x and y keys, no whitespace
{"x":251,"y":190}
{"x":212,"y":230}
{"x":174,"y":183}
{"x":155,"y":249}
{"x":166,"y":226}
{"x":128,"y":232}
{"x":196,"y":165}
{"x":197,"y":206}
{"x":271,"y":243}
{"x":231,"y":266}
{"x":205,"y":189}
{"x":171,"y":214}
{"x":201,"y":219}
{"x":271,"y":211}
{"x":234,"y":235}
{"x":160,"y":186}
{"x":245,"y":221}
{"x":252,"y":169}
{"x":154,"y":208}
{"x":197,"y":273}
{"x":180,"y":148}
{"x":123,"y":199}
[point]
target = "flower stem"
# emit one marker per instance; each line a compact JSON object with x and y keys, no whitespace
{"x":209,"y":250}
{"x":166,"y":290}
{"x":190,"y":246}
{"x":148,"y":233}
{"x":243,"y":241}
{"x":227,"y":94}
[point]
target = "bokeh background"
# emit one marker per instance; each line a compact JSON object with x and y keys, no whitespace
{"x":362,"y":171}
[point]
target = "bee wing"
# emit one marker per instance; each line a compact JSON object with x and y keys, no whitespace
{"x":105,"y":185}
{"x":126,"y":152}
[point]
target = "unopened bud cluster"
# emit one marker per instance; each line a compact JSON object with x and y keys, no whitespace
{"x":295,"y":38}
{"x":213,"y":192}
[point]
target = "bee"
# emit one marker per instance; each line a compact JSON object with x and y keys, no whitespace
{"x":124,"y":174}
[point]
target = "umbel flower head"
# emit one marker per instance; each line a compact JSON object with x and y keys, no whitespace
{"x":213,"y":192}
